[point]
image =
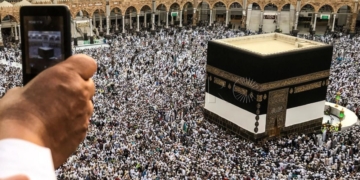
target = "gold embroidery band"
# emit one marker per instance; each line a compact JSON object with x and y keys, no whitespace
{"x":219,"y":82}
{"x":240,"y":90}
{"x":267,"y":86}
{"x":307,"y":87}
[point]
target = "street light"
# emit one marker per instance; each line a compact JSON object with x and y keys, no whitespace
{"x":337,"y":98}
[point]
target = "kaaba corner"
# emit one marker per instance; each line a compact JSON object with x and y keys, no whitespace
{"x":266,"y":85}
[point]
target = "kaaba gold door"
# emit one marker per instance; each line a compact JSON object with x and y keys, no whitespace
{"x":276,"y":111}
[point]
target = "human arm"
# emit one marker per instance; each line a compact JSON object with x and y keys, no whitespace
{"x":52,"y":111}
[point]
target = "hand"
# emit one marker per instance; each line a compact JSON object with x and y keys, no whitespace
{"x":52,"y":110}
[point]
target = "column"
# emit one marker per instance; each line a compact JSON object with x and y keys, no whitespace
{"x":153,"y":21}
{"x":243,"y":19}
{"x":94,"y":21}
{"x":210,"y":20}
{"x":12,"y":31}
{"x":297,"y":12}
{"x":130,"y":20}
{"x":91,"y":29}
{"x":107,"y":25}
{"x":296,"y":20}
{"x":354,"y":17}
{"x":194,"y":17}
{"x":159,"y":19}
{"x":167,"y":19}
{"x":199,"y":14}
{"x":123,"y":23}
{"x":137,"y":22}
{"x":116,"y":25}
{"x":16,"y":34}
{"x":348,"y":21}
{"x":172,"y":20}
{"x":214,"y":15}
{"x":314,"y":29}
{"x":278,"y":24}
{"x":101,"y":25}
{"x":19,"y":32}
{"x":227,"y":18}
{"x":145,"y":23}
{"x":261,"y":20}
{"x":185,"y":17}
{"x":248,"y":19}
{"x":353,"y":23}
{"x":1,"y":39}
{"x":333,"y":23}
{"x":244,"y":14}
{"x":153,"y":15}
{"x":312,"y":20}
{"x":108,"y":22}
{"x":74,"y":28}
{"x":180,"y":25}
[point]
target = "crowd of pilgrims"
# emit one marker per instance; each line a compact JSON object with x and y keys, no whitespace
{"x":148,"y":121}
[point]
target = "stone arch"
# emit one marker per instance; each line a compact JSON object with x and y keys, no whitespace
{"x":204,"y":1}
{"x":145,"y":6}
{"x":342,"y":5}
{"x":139,"y":8}
{"x":236,"y":1}
{"x":164,"y":5}
{"x":81,"y":10}
{"x":174,"y":5}
{"x":281,"y":7}
{"x":115,"y":11}
{"x":219,"y":2}
{"x":312,"y":5}
{"x":100,"y":10}
{"x":116,"y":8}
{"x":129,"y":8}
{"x":10,"y":16}
{"x":275,"y":7}
{"x":200,"y":3}
{"x":185,"y":5}
{"x":324,"y":5}
{"x":260,"y":7}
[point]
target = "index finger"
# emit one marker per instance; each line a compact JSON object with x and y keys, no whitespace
{"x":84,"y":65}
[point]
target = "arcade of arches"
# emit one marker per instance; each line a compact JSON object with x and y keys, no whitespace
{"x":104,"y":17}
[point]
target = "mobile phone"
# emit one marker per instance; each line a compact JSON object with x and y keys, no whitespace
{"x":45,"y":37}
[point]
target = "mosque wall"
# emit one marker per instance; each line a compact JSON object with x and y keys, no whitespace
{"x":285,"y":24}
{"x":232,"y":113}
{"x":254,"y":20}
{"x":269,"y":25}
{"x":90,"y":7}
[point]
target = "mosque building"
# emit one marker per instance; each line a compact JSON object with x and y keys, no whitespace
{"x":104,"y":17}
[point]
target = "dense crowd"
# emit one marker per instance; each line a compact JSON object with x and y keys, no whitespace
{"x":148,"y":121}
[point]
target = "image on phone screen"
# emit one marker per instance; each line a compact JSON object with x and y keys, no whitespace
{"x":44,"y":40}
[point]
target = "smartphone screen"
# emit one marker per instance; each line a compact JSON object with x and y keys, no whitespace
{"x":44,"y":39}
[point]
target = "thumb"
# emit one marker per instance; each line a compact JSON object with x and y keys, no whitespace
{"x":17,"y":177}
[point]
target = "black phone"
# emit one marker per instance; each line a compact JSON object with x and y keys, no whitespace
{"x":45,"y":37}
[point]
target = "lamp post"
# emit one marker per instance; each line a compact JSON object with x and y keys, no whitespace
{"x":337,"y":98}
{"x":341,"y":117}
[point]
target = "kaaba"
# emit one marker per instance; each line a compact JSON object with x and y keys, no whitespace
{"x":267,"y":85}
{"x":46,"y":52}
